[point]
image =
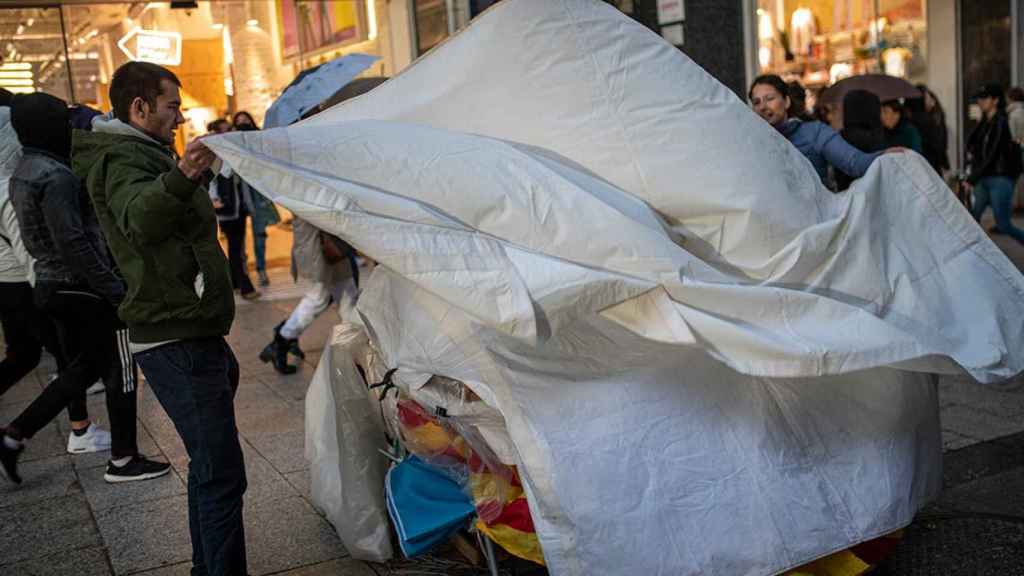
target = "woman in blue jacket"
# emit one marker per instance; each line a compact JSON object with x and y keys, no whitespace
{"x":822,"y":145}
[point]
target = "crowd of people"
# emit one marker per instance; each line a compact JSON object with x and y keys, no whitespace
{"x":842,"y":142}
{"x":110,"y":259}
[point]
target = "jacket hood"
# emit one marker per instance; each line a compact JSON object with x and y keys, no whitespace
{"x":862,"y":109}
{"x":107,"y":132}
{"x":42,"y":122}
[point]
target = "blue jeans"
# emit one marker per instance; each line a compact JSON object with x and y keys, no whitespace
{"x":259,"y":240}
{"x":195,"y":382}
{"x":997,"y":191}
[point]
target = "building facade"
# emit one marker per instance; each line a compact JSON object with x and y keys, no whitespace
{"x":240,"y":54}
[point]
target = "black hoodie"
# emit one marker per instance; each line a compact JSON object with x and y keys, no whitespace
{"x":57,"y":221}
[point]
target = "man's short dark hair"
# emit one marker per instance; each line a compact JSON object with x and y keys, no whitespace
{"x":137,"y":80}
{"x":5,"y":97}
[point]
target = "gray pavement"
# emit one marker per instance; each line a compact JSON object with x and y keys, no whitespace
{"x":65,"y":519}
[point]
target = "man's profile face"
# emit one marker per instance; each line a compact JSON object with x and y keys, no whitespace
{"x":160,"y":121}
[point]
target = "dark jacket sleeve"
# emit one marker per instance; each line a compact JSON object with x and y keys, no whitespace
{"x":62,"y":209}
{"x":840,"y":154}
{"x":148,"y":206}
{"x":984,"y":157}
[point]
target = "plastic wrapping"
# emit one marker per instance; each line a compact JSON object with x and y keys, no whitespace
{"x":343,"y":439}
{"x":734,"y":403}
{"x":456,"y":448}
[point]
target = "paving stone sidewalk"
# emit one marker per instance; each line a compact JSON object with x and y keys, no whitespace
{"x":65,"y":519}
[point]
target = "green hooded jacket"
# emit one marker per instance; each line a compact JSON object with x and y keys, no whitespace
{"x":162,"y":232}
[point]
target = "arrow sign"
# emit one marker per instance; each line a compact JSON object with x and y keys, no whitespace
{"x":162,"y":48}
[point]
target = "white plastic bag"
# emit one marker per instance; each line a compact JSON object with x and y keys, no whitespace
{"x":343,"y":436}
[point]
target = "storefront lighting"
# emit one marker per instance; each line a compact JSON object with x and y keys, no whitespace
{"x":21,"y":89}
{"x":16,"y":66}
{"x":252,"y":23}
{"x":217,"y":26}
{"x":21,"y":28}
{"x":5,"y":82}
{"x":7,"y":74}
{"x":371,"y":17}
{"x":30,"y":22}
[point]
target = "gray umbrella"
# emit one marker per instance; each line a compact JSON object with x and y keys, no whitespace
{"x":885,"y":87}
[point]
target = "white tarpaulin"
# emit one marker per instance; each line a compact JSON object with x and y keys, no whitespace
{"x":692,"y":342}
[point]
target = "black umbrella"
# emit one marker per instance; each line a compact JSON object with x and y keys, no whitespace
{"x":885,"y":87}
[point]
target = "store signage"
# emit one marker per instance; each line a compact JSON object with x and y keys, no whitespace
{"x":671,"y":11}
{"x":162,"y":48}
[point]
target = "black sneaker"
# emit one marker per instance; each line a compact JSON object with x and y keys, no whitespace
{"x":9,"y":461}
{"x":138,"y":468}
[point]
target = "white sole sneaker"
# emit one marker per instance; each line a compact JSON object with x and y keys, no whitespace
{"x":111,"y":479}
{"x":95,"y":440}
{"x":97,"y":388}
{"x":137,"y":469}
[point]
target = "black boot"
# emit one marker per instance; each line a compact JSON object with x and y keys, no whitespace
{"x":277,"y":353}
{"x":293,"y":348}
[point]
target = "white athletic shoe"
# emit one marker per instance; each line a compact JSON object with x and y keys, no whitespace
{"x":96,"y":388}
{"x":95,"y":439}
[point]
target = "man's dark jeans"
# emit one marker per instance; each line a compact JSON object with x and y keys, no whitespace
{"x":195,"y":382}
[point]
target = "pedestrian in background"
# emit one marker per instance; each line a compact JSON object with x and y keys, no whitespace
{"x":898,"y":130}
{"x":823,"y":146}
{"x":993,"y":162}
{"x":233,"y":201}
{"x":927,"y":115}
{"x":862,"y":127}
{"x":161,"y":228}
{"x":263,"y":211}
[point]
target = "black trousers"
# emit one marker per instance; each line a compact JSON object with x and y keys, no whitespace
{"x":27,"y":330}
{"x":94,"y":343}
{"x":235,"y":231}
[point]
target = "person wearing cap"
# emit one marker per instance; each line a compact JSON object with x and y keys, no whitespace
{"x":994,"y":162}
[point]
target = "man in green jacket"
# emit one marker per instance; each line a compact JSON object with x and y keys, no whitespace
{"x":160,"y":226}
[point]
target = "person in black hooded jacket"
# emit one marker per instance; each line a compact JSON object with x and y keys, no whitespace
{"x":994,"y":162}
{"x":77,"y":285}
{"x":862,"y":127}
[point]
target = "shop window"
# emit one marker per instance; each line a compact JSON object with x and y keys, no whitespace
{"x":312,"y":27}
{"x":32,"y":55}
{"x":822,"y":41}
{"x":431,"y":18}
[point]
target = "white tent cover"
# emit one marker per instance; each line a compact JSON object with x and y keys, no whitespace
{"x":707,"y":363}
